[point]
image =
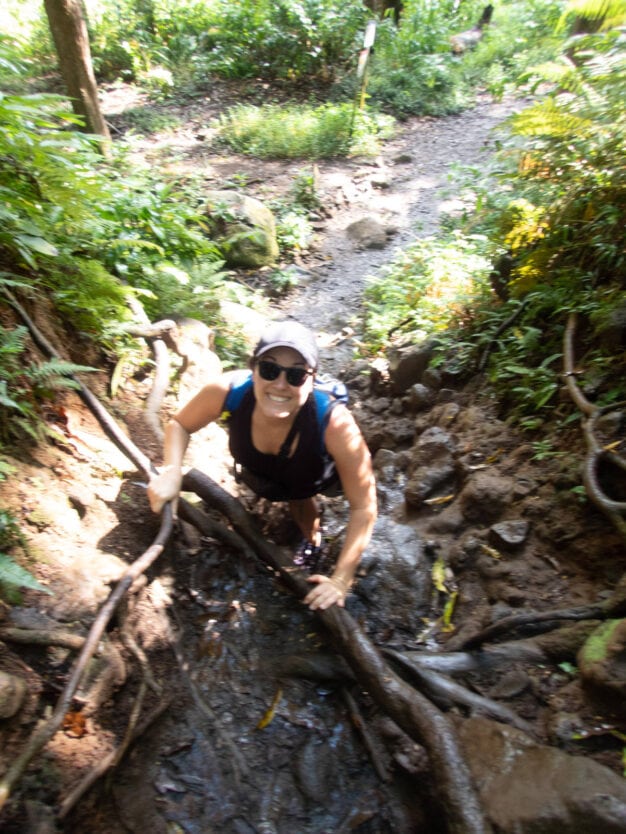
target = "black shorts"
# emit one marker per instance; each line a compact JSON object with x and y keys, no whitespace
{"x":272,"y":491}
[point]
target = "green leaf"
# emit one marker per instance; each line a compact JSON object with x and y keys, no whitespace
{"x":38,"y":244}
{"x":12,"y":574}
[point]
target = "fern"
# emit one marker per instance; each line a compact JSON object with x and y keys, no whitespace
{"x":13,"y":577}
{"x":25,"y":386}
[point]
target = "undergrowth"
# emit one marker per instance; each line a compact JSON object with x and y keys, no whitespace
{"x":543,"y":237}
{"x":304,"y":132}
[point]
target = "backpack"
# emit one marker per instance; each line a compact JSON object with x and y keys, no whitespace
{"x":327,"y":392}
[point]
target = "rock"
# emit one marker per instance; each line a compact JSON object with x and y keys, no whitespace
{"x":12,"y":694}
{"x":380,"y":405}
{"x":420,"y":397}
{"x":407,"y":365}
{"x":244,"y":227}
{"x":601,"y":661}
{"x":509,"y":535}
{"x":367,"y":233}
{"x":485,"y":496}
{"x":314,"y":771}
{"x":527,"y":788}
{"x":449,"y":521}
{"x":510,"y":684}
{"x":385,"y":465}
{"x":245,"y":321}
{"x":432,"y":378}
{"x":432,"y":465}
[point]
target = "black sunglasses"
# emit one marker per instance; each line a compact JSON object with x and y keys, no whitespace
{"x":270,"y":371}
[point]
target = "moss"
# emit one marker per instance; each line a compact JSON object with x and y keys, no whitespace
{"x":596,"y":647}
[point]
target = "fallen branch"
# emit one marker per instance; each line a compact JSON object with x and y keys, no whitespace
{"x":411,"y":711}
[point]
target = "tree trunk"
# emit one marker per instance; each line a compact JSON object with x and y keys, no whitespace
{"x":69,"y":32}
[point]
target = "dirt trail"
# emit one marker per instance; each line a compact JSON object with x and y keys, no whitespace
{"x":406,"y":189}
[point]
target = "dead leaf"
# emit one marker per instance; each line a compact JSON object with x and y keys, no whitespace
{"x":75,"y":724}
{"x":269,"y":715}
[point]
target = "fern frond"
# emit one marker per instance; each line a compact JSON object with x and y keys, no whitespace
{"x":13,"y":574}
{"x":548,"y":118}
{"x":57,"y":373}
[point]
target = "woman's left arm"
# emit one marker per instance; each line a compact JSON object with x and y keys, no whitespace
{"x":346,"y":445}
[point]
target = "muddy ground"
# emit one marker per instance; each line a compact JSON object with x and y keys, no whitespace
{"x":247,"y":724}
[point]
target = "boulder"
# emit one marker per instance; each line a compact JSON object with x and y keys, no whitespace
{"x":243,"y":227}
{"x":367,"y":233}
{"x":485,"y":496}
{"x":526,"y":788}
{"x":407,"y":366}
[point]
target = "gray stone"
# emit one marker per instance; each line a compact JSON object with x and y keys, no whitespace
{"x":367,"y":233}
{"x":244,"y":228}
{"x":432,"y":378}
{"x":509,"y":535}
{"x":407,"y":365}
{"x":485,"y":496}
{"x":12,"y":694}
{"x":432,"y":465}
{"x":420,"y":397}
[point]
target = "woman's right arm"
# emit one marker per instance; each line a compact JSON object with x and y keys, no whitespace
{"x":203,"y":409}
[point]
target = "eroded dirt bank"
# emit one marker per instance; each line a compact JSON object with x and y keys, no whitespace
{"x":250,"y":723}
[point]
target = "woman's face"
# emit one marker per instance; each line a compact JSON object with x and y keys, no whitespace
{"x":276,"y":398}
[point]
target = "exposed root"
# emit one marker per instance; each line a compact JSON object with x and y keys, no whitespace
{"x":615,"y":511}
{"x":368,"y":741}
{"x":44,"y":732}
{"x":536,"y":621}
{"x":133,"y":732}
{"x":445,"y":691}
{"x":40,"y":637}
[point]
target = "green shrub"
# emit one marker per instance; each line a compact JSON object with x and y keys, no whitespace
{"x":428,"y":289}
{"x":305,"y":41}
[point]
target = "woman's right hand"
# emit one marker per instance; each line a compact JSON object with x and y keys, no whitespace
{"x":165,"y":486}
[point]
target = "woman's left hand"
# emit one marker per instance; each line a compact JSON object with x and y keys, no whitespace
{"x":328,"y":591}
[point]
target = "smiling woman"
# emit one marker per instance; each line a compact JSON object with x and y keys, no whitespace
{"x":291,"y":441}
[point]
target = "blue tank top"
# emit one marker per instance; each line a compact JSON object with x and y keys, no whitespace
{"x":308,"y":471}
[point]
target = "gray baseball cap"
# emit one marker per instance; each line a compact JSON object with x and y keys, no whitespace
{"x":289,"y":334}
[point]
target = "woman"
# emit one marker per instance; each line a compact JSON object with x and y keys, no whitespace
{"x":273,"y":437}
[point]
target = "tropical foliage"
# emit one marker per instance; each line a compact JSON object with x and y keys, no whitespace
{"x":548,"y":223}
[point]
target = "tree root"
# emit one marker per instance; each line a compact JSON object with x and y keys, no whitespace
{"x":613,"y":510}
{"x":413,"y":713}
{"x":133,"y":732}
{"x":44,"y":732}
{"x":41,"y":637}
{"x":537,"y":621}
{"x":361,"y":727}
{"x":442,"y":691}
